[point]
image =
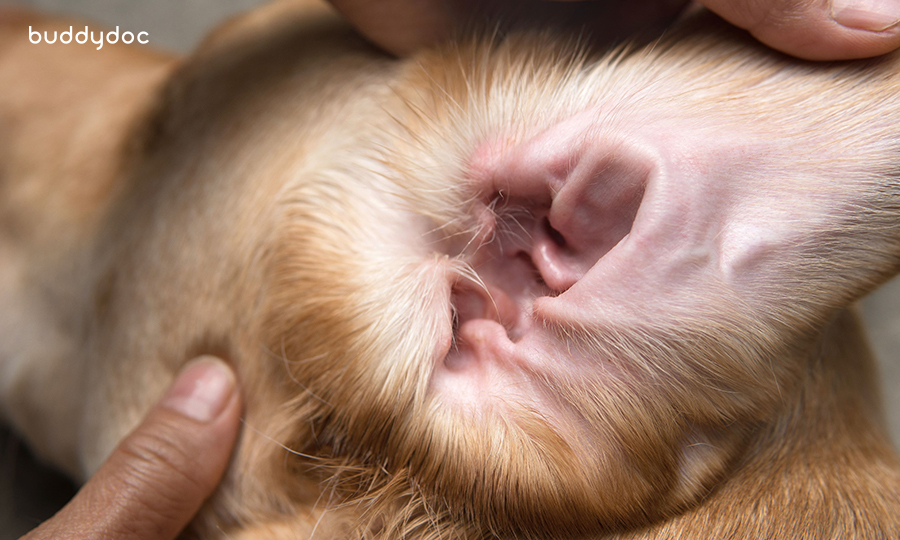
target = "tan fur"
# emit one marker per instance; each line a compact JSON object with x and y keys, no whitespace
{"x":283,"y":198}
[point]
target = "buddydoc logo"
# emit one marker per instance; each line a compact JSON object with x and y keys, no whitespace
{"x":82,"y":36}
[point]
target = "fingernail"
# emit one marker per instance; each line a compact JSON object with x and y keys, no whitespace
{"x":874,"y":15}
{"x":202,"y":389}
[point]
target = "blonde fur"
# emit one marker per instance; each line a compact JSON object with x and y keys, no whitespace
{"x":294,"y":201}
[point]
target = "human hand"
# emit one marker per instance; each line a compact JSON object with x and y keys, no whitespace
{"x":815,"y":30}
{"x":158,"y":477}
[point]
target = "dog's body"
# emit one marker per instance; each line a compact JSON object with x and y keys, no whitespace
{"x":294,"y":201}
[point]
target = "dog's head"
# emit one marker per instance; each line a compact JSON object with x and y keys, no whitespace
{"x":415,"y":264}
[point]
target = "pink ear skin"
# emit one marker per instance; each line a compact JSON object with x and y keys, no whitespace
{"x":573,"y":195}
{"x":595,"y":187}
{"x":651,"y":223}
{"x":554,"y":206}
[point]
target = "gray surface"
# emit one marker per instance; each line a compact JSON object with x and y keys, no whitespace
{"x":28,"y":494}
{"x":881,"y":310}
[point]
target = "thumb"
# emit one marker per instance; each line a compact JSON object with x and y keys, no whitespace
{"x":158,"y":477}
{"x":817,"y":29}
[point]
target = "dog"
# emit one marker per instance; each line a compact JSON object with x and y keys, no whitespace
{"x":445,"y":282}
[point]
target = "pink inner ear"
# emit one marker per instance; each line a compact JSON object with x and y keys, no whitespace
{"x":577,"y":196}
{"x":592,"y":212}
{"x":556,"y":204}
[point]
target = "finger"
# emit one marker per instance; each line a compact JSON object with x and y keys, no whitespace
{"x":402,"y":26}
{"x":157,"y":479}
{"x":399,"y":26}
{"x":818,"y":29}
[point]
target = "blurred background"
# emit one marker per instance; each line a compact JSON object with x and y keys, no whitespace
{"x":30,"y":492}
{"x":175,"y":25}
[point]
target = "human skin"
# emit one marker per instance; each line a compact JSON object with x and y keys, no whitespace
{"x":810,"y":29}
{"x":155,"y":481}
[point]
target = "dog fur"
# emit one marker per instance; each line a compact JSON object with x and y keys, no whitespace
{"x":276,"y":199}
